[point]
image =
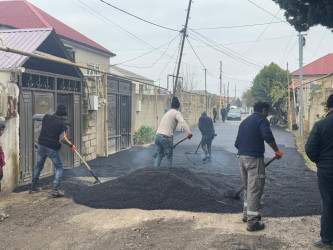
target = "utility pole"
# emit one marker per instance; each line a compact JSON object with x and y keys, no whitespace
{"x":221,"y":85}
{"x":206,"y":91}
{"x":228,"y":93}
{"x":181,"y":50}
{"x":289,"y":104}
{"x":301,"y":44}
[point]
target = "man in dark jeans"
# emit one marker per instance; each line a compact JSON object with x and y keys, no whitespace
{"x":319,"y":149}
{"x":207,"y":131}
{"x":252,"y":133}
{"x":54,"y":131}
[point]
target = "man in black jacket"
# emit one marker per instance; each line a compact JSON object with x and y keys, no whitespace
{"x":319,"y":149}
{"x":54,"y":131}
{"x":252,"y":133}
{"x":207,"y":131}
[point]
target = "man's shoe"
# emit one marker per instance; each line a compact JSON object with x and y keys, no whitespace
{"x":56,"y":192}
{"x":259,"y":225}
{"x":245,"y":218}
{"x":205,"y":158}
{"x":321,"y":244}
{"x":34,"y":188}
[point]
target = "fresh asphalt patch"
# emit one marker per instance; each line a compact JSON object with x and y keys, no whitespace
{"x":191,"y":185}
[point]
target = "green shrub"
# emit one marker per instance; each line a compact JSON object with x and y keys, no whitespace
{"x":145,"y":135}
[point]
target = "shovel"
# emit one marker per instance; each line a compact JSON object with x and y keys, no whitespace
{"x":155,"y":155}
{"x":235,"y":195}
{"x":85,"y":163}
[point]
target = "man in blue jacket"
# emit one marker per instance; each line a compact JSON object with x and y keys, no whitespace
{"x":207,"y":131}
{"x":319,"y":149}
{"x":252,"y":133}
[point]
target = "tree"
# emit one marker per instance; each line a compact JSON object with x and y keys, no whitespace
{"x":303,"y":14}
{"x":270,"y":85}
{"x":248,"y":98}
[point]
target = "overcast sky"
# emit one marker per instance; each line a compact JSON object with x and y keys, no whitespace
{"x":214,"y":34}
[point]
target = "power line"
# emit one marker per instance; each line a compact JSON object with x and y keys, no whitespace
{"x":168,"y":43}
{"x":265,"y":10}
{"x":138,"y":17}
{"x":196,"y":53}
{"x":236,"y":26}
{"x":284,"y":53}
{"x":235,"y":57}
{"x":131,"y":34}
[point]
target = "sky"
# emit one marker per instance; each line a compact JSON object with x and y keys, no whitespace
{"x":245,"y":35}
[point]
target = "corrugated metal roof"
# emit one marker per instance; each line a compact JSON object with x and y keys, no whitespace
{"x":22,"y":14}
{"x":24,"y":39}
{"x":322,"y":66}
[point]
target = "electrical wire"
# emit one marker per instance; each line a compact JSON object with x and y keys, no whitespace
{"x":168,"y":43}
{"x":138,"y":17}
{"x":196,"y":53}
{"x":236,"y":26}
{"x":261,"y":34}
{"x":265,"y":10}
{"x":216,"y":47}
{"x":284,"y":53}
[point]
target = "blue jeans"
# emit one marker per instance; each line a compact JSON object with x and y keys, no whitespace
{"x":165,"y":148}
{"x":325,"y":184}
{"x":54,"y":155}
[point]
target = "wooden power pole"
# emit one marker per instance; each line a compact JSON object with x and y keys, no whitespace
{"x":181,"y":50}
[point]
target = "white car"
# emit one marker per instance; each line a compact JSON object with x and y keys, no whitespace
{"x":234,"y":114}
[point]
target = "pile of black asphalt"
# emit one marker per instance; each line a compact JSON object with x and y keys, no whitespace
{"x":158,"y":188}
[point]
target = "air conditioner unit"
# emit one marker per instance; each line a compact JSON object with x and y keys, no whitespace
{"x":93,"y":102}
{"x":138,"y":106}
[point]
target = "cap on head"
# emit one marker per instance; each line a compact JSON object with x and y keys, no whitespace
{"x":61,"y":110}
{"x":175,"y":104}
{"x":330,"y":101}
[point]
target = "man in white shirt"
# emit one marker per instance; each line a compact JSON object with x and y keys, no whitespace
{"x":164,"y":134}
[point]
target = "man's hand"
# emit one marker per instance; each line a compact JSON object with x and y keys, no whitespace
{"x":73,"y":148}
{"x":189,"y":136}
{"x":278,"y":154}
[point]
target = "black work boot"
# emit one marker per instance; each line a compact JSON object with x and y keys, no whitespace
{"x":259,"y":225}
{"x":56,"y":192}
{"x":321,"y":244}
{"x":34,"y":187}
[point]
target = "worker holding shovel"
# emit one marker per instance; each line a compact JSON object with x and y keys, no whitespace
{"x":53,"y":133}
{"x":252,"y":133}
{"x":165,"y":131}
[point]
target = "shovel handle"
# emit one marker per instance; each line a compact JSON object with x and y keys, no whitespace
{"x":85,"y":163}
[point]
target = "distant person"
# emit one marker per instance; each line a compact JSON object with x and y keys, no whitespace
{"x":223,"y":113}
{"x":252,"y":133}
{"x":54,"y":131}
{"x":319,"y":149}
{"x":214,"y":114}
{"x":207,"y":131}
{"x":2,"y":164}
{"x":165,"y":131}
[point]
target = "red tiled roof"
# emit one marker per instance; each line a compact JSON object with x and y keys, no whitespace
{"x":322,"y":66}
{"x":23,"y":15}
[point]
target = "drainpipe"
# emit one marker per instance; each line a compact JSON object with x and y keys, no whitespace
{"x":106,"y":127}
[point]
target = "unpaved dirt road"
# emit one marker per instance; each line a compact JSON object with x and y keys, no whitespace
{"x":138,"y":207}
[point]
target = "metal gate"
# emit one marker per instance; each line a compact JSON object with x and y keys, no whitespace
{"x":119,"y":114}
{"x":40,"y":94}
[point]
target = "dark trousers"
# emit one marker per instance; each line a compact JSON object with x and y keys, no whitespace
{"x":325,"y":184}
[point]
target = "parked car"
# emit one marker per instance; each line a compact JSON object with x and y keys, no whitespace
{"x":243,"y":111}
{"x":234,"y":114}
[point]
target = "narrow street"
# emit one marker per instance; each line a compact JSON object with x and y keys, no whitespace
{"x":141,"y":207}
